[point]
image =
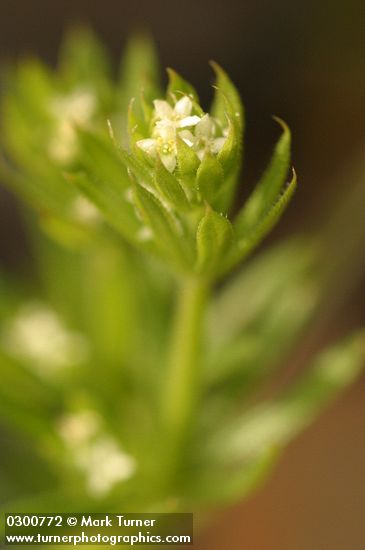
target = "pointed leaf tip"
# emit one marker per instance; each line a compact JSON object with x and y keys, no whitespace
{"x":177,"y":85}
{"x":227,"y":99}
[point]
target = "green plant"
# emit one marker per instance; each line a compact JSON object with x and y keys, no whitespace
{"x":131,"y":357}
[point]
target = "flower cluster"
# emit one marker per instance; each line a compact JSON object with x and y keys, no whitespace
{"x":95,"y":453}
{"x":171,"y":192}
{"x":37,"y":336}
{"x":201,"y":133}
{"x":166,"y":180}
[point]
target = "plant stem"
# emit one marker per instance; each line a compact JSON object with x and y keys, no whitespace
{"x":183,"y":373}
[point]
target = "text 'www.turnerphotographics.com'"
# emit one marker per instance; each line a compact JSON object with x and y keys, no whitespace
{"x":98,"y":529}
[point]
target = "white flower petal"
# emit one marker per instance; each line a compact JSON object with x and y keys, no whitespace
{"x":148,"y":146}
{"x":163,"y":109}
{"x":169,"y":161}
{"x":78,"y":428}
{"x":106,"y":465}
{"x":205,"y":127}
{"x":166,"y":132}
{"x":217,"y":144}
{"x":187,"y":137}
{"x":184,"y":106}
{"x":189,"y":121}
{"x":200,"y":153}
{"x":84,"y":211}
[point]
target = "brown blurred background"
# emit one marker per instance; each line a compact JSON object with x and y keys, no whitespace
{"x":304,"y":61}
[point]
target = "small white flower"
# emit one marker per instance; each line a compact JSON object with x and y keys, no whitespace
{"x":78,"y":107}
{"x":82,"y":210}
{"x":94,"y":452}
{"x":168,"y":121}
{"x":37,"y":335}
{"x":204,"y":139}
{"x":105,"y":465}
{"x":199,"y":133}
{"x":78,"y":428}
{"x":145,"y":234}
{"x":178,"y":116}
{"x":163,"y":144}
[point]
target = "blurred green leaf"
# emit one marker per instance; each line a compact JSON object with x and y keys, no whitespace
{"x":27,"y":402}
{"x":113,"y":203}
{"x":99,"y":158}
{"x":83,"y":58}
{"x":241,"y":452}
{"x":273,"y":424}
{"x":289,"y":263}
{"x":55,"y":199}
{"x":210,"y":485}
{"x":140,"y":71}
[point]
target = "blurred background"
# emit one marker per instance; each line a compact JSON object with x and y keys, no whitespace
{"x":305,"y":62}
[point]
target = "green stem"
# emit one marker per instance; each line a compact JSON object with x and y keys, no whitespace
{"x":183,"y":373}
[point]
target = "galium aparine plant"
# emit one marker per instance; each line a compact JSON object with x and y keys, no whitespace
{"x":129,"y":368}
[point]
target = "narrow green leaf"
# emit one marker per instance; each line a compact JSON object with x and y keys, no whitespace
{"x":209,"y":177}
{"x":164,"y":228}
{"x":24,"y":388}
{"x":146,"y":108}
{"x":227,"y":108}
{"x":113,"y":202}
{"x":290,"y":263}
{"x":140,"y":80}
{"x":213,"y":237}
{"x":228,"y":91}
{"x":111,"y":298}
{"x":138,"y":166}
{"x":187,"y":164}
{"x":255,"y":339}
{"x":230,"y":157}
{"x":68,"y":233}
{"x":212,"y":484}
{"x":251,"y":240}
{"x":262,"y":346}
{"x":34,"y":87}
{"x":101,"y":160}
{"x":45,"y":195}
{"x":137,"y":128}
{"x":169,"y":187}
{"x":140,"y":71}
{"x":83,"y":58}
{"x":230,"y":152}
{"x":268,"y":188}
